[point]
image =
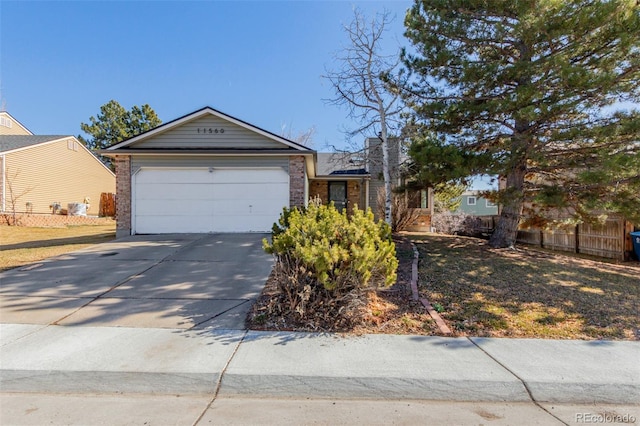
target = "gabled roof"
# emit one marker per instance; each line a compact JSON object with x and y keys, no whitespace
{"x":12,"y":143}
{"x":15,"y":142}
{"x":12,"y":118}
{"x":198,"y":114}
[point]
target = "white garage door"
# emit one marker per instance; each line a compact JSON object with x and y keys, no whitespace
{"x":208,"y":200}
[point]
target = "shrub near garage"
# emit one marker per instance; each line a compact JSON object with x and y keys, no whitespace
{"x":325,"y":264}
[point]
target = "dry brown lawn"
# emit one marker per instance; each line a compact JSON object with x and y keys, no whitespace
{"x":481,"y":291}
{"x":24,"y":245}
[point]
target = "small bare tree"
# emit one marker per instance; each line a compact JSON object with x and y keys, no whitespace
{"x":304,"y":137}
{"x":359,"y":84}
{"x":15,"y":195}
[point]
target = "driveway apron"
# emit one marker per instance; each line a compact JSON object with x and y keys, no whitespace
{"x":182,"y":281}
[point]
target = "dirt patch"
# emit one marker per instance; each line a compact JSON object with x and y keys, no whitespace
{"x":387,"y":311}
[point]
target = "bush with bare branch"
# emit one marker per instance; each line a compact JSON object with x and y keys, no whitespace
{"x":402,"y":216}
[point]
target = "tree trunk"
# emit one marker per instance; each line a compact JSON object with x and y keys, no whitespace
{"x":386,"y":173}
{"x":506,"y":230}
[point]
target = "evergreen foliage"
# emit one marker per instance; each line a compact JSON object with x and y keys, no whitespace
{"x":325,"y":261}
{"x":543,"y":93}
{"x":447,"y":196}
{"x":114,"y":124}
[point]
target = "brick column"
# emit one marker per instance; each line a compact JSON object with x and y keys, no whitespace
{"x":296,"y":181}
{"x":123,"y":196}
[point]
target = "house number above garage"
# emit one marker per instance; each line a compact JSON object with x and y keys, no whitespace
{"x":210,"y":130}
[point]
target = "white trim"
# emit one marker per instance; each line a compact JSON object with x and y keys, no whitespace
{"x":12,"y":118}
{"x":195,"y":115}
{"x":366,"y":190}
{"x":211,"y":153}
{"x":490,"y":204}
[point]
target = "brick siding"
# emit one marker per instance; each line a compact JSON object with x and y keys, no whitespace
{"x":123,"y":196}
{"x":53,"y":220}
{"x":296,"y":181}
{"x":320,"y":189}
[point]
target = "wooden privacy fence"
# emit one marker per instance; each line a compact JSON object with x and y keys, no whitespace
{"x":107,"y":204}
{"x":610,"y":240}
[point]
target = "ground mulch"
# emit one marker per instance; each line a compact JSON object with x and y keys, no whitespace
{"x":388,"y":311}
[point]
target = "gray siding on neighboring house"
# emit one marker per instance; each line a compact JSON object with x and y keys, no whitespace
{"x":208,"y":161}
{"x":200,"y":133}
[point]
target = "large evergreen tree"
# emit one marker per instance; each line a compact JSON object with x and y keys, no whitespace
{"x":114,"y":124}
{"x":532,"y":91}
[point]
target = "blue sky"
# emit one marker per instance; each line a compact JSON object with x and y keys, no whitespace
{"x":258,"y":61}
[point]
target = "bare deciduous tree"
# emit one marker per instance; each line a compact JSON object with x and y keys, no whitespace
{"x":359,"y":84}
{"x":14,"y":196}
{"x":302,"y":137}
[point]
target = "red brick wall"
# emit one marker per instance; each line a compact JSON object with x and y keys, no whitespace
{"x":123,"y":196}
{"x":320,"y":188}
{"x":296,"y":181}
{"x":53,"y":220}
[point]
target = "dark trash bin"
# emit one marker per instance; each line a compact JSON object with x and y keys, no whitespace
{"x":635,"y":237}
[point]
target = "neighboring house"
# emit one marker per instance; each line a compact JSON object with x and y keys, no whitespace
{"x":39,"y":170}
{"x":210,"y":172}
{"x":474,"y":204}
{"x":11,"y":126}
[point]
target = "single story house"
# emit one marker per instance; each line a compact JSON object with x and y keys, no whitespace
{"x":210,"y":172}
{"x":40,"y":170}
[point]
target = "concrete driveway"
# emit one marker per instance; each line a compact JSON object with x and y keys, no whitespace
{"x":187,"y":281}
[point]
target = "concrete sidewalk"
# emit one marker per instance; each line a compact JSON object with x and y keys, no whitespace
{"x":232,"y":363}
{"x":140,"y":409}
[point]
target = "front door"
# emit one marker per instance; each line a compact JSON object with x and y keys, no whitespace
{"x":338,"y":194}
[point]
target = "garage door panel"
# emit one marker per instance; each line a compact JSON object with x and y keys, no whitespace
{"x":162,"y":176}
{"x":159,"y":207}
{"x":172,"y":191}
{"x":244,"y":223}
{"x":158,"y":224}
{"x":234,"y":176}
{"x":251,"y":192}
{"x":197,"y":200}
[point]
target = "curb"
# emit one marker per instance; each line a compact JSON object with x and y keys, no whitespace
{"x":444,"y":329}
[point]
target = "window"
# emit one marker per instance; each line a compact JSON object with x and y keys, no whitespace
{"x":5,"y":122}
{"x":491,"y":203}
{"x":471,"y":201}
{"x":417,"y":199}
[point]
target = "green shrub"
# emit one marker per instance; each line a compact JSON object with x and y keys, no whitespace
{"x":325,"y":261}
